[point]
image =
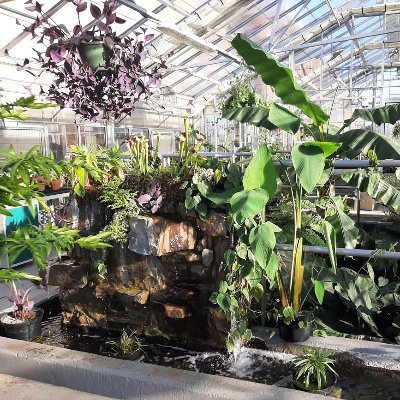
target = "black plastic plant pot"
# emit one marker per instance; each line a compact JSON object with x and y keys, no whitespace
{"x":325,"y":388}
{"x":294,"y":331}
{"x":23,"y":330}
{"x":96,"y":54}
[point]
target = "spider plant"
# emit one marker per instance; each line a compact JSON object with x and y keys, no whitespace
{"x":313,"y":368}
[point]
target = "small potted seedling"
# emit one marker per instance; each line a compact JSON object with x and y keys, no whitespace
{"x":128,"y":347}
{"x":24,"y":322}
{"x":314,"y":371}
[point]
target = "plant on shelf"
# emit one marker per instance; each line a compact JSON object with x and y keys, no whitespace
{"x":128,"y":346}
{"x":24,"y":321}
{"x":314,"y":370}
{"x":89,"y":167}
{"x":97,"y":74}
{"x":31,"y":168}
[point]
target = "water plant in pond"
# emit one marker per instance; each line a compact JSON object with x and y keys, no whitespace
{"x":127,"y":346}
{"x":314,"y":370}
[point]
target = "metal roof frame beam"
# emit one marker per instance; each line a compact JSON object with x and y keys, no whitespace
{"x":60,"y":4}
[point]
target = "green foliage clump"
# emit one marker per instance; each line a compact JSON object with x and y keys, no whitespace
{"x":242,"y":94}
{"x":126,"y":345}
{"x":122,"y":202}
{"x":312,"y":368}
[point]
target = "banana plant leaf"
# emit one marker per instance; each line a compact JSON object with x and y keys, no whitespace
{"x":271,"y":119}
{"x":363,"y":140}
{"x":278,"y":76}
{"x":384,"y":115}
{"x":373,"y":183}
{"x":347,"y":234}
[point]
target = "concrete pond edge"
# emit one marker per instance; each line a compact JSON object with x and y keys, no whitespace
{"x":368,"y":353}
{"x":128,"y":380}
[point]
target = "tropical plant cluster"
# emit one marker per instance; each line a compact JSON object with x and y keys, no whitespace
{"x":265,"y":200}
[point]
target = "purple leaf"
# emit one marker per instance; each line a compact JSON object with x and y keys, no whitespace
{"x":149,"y":37}
{"x":119,"y":20}
{"x":55,"y":56}
{"x":144,"y":198}
{"x":95,"y":11}
{"x":81,"y":6}
{"x":28,"y":88}
{"x":102,"y":26}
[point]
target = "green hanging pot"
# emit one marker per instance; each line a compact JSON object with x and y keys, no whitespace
{"x":96,"y":54}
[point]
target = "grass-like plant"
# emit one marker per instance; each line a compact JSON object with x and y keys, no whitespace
{"x":312,"y":369}
{"x":126,"y":345}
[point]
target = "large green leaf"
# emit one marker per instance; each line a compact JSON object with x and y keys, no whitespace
{"x":262,"y":241}
{"x":261,"y":172}
{"x":275,"y":117}
{"x":373,"y":183}
{"x":346,"y":232}
{"x":258,"y":116}
{"x":217,"y":197}
{"x":327,"y":147}
{"x":248,"y":203}
{"x":383,"y":115}
{"x":308,"y":162}
{"x":362,"y":141}
{"x":278,"y":76}
{"x":284,"y":119}
{"x":330,"y":238}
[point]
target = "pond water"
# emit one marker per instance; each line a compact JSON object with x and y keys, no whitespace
{"x":252,"y":364}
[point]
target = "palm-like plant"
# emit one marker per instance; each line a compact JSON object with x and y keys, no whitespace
{"x":312,"y":369}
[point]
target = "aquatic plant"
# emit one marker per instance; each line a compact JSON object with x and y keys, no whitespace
{"x":126,"y":345}
{"x":313,"y":367}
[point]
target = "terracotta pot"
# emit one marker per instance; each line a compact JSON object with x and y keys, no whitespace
{"x":57,"y":184}
{"x":42,"y":181}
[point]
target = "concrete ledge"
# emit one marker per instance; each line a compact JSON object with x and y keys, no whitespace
{"x":12,"y":387}
{"x":372,"y":354}
{"x":127,"y":379}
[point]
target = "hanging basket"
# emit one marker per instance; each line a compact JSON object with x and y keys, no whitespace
{"x":96,"y":54}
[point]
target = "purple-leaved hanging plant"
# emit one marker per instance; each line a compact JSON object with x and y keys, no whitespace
{"x":93,"y":93}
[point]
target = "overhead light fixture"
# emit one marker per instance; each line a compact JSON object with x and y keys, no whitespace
{"x":188,"y":38}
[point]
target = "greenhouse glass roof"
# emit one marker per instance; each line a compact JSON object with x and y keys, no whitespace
{"x":332,"y":44}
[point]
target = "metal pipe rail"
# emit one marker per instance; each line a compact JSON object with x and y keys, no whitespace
{"x":349,"y":163}
{"x":387,"y":255}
